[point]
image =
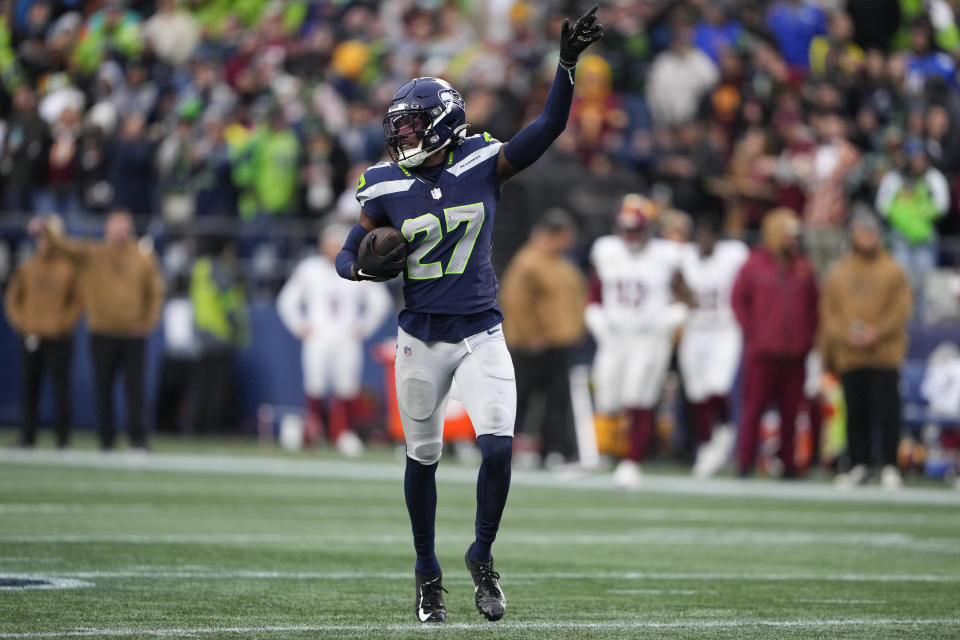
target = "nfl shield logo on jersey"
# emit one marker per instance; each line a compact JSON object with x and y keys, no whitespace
{"x":407,"y":351}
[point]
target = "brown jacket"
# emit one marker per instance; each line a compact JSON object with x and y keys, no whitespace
{"x":543,"y":297}
{"x":121,"y":285}
{"x":874,"y":291}
{"x":43,"y":297}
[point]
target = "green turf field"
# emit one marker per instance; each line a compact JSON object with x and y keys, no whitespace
{"x":204,"y":541}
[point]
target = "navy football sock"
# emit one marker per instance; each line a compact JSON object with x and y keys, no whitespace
{"x":420,"y":489}
{"x":493,"y":484}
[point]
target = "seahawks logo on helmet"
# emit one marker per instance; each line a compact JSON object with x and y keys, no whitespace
{"x":425,"y":116}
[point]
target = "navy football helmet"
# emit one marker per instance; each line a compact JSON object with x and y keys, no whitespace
{"x":425,"y":115}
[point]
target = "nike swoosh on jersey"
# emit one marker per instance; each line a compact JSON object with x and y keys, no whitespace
{"x":490,"y":332}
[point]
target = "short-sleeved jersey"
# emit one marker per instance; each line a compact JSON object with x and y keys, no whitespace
{"x":449,"y":227}
{"x":711,"y":280}
{"x":635,"y":284}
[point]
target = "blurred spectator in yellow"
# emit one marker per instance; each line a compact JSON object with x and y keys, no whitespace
{"x":270,"y":166}
{"x":543,"y":297}
{"x":835,"y":56}
{"x":122,"y":292}
{"x":775,"y":300}
{"x":43,"y":305}
{"x":222,"y":326}
{"x":112,"y":31}
{"x":912,"y":199}
{"x":864,"y":313}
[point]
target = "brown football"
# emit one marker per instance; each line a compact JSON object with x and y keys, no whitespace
{"x":385,"y":240}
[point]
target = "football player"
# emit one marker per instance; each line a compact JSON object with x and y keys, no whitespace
{"x":441,"y":192}
{"x":710,"y":350}
{"x":332,"y":318}
{"x":633,"y":316}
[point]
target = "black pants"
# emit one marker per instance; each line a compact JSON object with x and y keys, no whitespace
{"x":111,"y":354}
{"x":215,"y":402}
{"x":174,"y":400}
{"x":54,"y":356}
{"x":873,"y":403}
{"x":548,"y":373}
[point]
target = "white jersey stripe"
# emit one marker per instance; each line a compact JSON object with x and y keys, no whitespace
{"x":475,"y":158}
{"x":384,"y":188}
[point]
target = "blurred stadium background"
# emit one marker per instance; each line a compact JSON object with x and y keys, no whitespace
{"x":251,"y":121}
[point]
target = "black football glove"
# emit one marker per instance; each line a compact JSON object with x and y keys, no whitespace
{"x":377,"y":268}
{"x":582,"y":35}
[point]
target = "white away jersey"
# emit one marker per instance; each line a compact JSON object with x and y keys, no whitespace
{"x":711,"y":280}
{"x":337,"y":309}
{"x":635,"y":285}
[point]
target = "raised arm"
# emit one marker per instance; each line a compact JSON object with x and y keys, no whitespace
{"x":529,"y":144}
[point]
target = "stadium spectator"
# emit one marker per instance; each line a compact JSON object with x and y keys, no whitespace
{"x":122,"y":293}
{"x":875,"y":23}
{"x":176,"y":390}
{"x":795,"y":23}
{"x":222,"y":326}
{"x":332,"y":318}
{"x":270,"y":165}
{"x":26,"y":143}
{"x":834,"y":160}
{"x":864,"y":313}
{"x":678,"y":79}
{"x":718,"y":30}
{"x":912,"y":199}
{"x":112,"y":31}
{"x":131,"y":166}
{"x":543,"y":296}
{"x":171,"y":33}
{"x":43,"y":305}
{"x":775,"y":300}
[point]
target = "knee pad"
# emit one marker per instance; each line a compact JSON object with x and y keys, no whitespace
{"x":417,"y":395}
{"x":425,"y":453}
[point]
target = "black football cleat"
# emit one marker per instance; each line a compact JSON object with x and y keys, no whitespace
{"x":486,"y":585}
{"x":428,"y":604}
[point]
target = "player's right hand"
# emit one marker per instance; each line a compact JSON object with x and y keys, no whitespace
{"x":573,"y":41}
{"x":377,"y":268}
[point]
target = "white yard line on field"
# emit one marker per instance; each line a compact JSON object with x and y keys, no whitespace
{"x":451,"y":472}
{"x":507,"y":626}
{"x":193,"y":574}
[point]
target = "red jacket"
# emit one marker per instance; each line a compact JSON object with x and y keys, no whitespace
{"x":776,"y":305}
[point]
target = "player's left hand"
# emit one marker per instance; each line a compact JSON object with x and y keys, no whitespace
{"x":574,"y":40}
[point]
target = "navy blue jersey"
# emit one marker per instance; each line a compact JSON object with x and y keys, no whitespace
{"x":449,"y":287}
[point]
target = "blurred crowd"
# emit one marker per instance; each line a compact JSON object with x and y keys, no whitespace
{"x":181,"y":110}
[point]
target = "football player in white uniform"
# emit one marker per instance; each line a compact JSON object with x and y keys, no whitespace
{"x":712,"y":343}
{"x":332,"y":318}
{"x":632,"y":316}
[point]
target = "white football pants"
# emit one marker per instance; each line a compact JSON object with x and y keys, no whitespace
{"x":483,"y":371}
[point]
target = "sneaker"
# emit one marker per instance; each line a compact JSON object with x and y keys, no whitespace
{"x":627,"y":475}
{"x":890,"y":478}
{"x":853,"y":478}
{"x":486,"y":585}
{"x":428,"y":604}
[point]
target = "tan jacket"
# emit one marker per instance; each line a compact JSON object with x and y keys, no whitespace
{"x":121,"y":286}
{"x":875,"y":292}
{"x":542,"y":297}
{"x":43,"y":297}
